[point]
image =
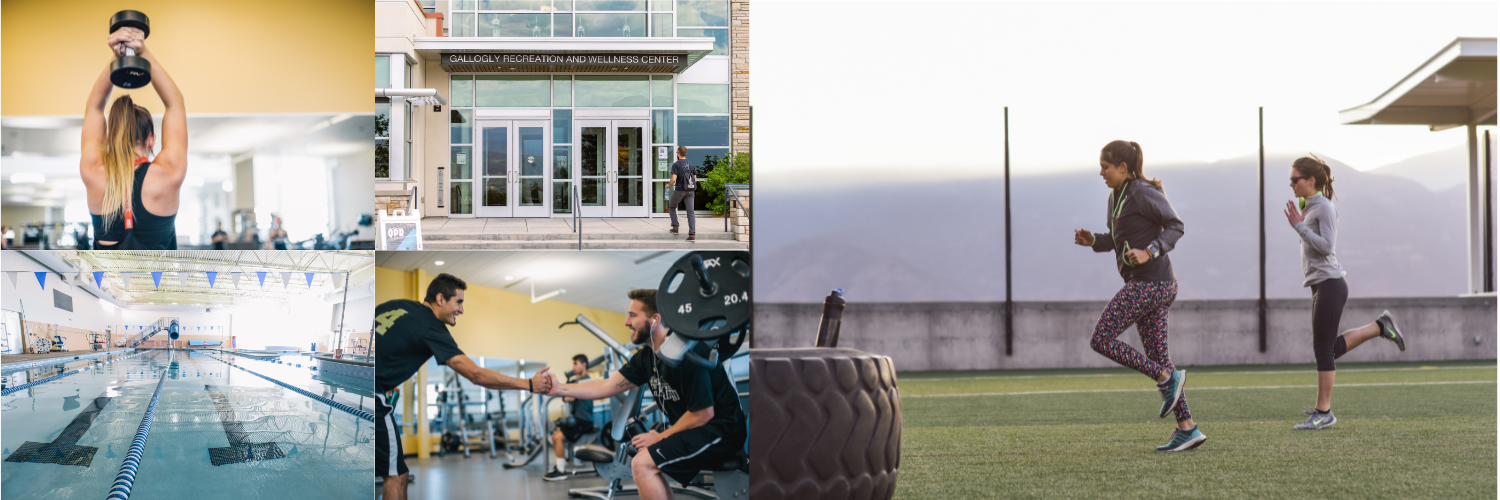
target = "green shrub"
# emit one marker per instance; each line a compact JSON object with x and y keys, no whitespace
{"x":734,"y":169}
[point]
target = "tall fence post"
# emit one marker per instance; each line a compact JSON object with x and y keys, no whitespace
{"x":1010,"y":307}
{"x":1261,"y":172}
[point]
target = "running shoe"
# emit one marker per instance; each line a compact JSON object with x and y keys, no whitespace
{"x":673,"y":231}
{"x":1316,"y":420}
{"x":1171,"y":391}
{"x":555,"y":475}
{"x":1389,"y":331}
{"x":692,"y":237}
{"x":1184,"y":440}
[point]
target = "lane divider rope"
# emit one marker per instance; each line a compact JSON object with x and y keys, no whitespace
{"x":126,"y":478}
{"x":341,"y":406}
{"x":9,"y":390}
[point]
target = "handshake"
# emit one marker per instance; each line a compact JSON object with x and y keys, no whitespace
{"x":547,"y":383}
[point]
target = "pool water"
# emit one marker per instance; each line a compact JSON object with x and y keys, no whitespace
{"x":271,"y":442}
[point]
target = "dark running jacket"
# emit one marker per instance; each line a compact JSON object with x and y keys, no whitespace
{"x":1139,"y":216}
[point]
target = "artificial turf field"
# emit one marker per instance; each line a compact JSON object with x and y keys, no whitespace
{"x":1405,"y":430}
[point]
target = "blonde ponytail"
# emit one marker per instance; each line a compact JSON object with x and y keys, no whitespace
{"x":127,"y":126}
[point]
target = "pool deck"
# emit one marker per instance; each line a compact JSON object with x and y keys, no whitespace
{"x":21,"y":358}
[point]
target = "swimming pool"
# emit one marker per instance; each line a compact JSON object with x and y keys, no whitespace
{"x":217,"y":432}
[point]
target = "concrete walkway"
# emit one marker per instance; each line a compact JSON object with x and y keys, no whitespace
{"x":635,"y":233}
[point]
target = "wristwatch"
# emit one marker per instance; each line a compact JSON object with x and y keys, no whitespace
{"x":1152,"y":248}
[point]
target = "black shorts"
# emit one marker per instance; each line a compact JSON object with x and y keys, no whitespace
{"x":574,"y":432}
{"x":683,"y":455}
{"x":389,"y":460}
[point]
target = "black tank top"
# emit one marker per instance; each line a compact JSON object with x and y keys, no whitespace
{"x":151,"y":232}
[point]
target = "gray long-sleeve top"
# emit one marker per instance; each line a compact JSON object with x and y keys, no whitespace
{"x":1140,"y":216}
{"x":1318,"y":231}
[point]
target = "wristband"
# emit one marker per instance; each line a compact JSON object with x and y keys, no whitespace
{"x":530,"y":385}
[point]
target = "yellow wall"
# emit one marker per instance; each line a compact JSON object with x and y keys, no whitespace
{"x":503,"y":324}
{"x":261,"y":56}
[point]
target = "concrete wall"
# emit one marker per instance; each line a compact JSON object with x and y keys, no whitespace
{"x":971,"y":335}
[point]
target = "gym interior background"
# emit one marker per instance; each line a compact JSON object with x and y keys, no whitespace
{"x":512,"y":324}
{"x":275,"y":127}
{"x":250,"y":388}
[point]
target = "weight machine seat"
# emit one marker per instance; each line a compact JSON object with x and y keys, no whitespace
{"x":734,"y":463}
{"x":594,"y":453}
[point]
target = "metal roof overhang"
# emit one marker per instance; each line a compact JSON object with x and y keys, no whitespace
{"x":1454,"y":88}
{"x":610,"y":55}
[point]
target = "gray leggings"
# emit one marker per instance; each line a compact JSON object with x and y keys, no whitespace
{"x":678,"y":196}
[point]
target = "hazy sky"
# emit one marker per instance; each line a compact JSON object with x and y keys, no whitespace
{"x":845,"y":87}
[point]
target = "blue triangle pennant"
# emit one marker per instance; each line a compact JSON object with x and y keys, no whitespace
{"x":309,"y":279}
{"x":211,"y":276}
{"x":99,"y":279}
{"x":261,"y":275}
{"x":156,"y":278}
{"x":41,"y":279}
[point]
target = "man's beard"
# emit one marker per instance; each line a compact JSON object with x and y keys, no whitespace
{"x":641,"y":336}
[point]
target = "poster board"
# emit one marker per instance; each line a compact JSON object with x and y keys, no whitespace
{"x":399,"y":231}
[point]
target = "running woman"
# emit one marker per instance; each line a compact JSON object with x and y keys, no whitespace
{"x":1316,"y":224}
{"x":1142,"y":229}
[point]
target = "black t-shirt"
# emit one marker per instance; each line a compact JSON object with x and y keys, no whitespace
{"x":409,"y":334}
{"x":685,"y":173}
{"x":582,"y":409}
{"x":688,"y":388}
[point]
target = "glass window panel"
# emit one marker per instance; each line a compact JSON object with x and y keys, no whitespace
{"x":662,"y":157}
{"x":461,"y":126}
{"x":631,"y":163}
{"x":562,"y":92}
{"x":533,"y":153}
{"x":382,"y":158}
{"x":629,"y":192}
{"x":494,"y":191}
{"x":512,"y":90}
{"x":382,"y":119}
{"x":661,"y":91}
{"x":496,"y":140}
{"x":515,"y":25}
{"x":593,"y":192}
{"x":661,"y":25}
{"x":661,"y":5}
{"x":659,"y":197}
{"x":721,"y":39}
{"x":613,"y":91}
{"x":461,"y":163}
{"x":562,"y":197}
{"x":610,"y":25}
{"x":461,"y":91}
{"x":463,"y":25}
{"x":562,"y":25}
{"x":382,"y":72}
{"x":661,"y":126}
{"x":562,"y":162}
{"x":611,"y":4}
{"x":463,"y":197}
{"x":592,"y":148}
{"x":562,"y":5}
{"x":517,"y":5}
{"x":703,"y":98}
{"x":562,"y":126}
{"x":463,"y":4}
{"x":406,"y":167}
{"x":532,"y":191}
{"x":703,"y":131}
{"x":705,"y":159}
{"x":702,"y":13}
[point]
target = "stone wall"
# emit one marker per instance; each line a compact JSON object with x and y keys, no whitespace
{"x":739,"y":72}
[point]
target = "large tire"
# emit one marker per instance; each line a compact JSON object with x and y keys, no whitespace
{"x":825,"y":424}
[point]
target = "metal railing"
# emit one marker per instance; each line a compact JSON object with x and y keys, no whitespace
{"x":578,"y":217}
{"x":732,"y":200}
{"x":161,"y":324}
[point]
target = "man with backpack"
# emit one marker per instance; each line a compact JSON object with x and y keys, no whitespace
{"x":684,"y":182}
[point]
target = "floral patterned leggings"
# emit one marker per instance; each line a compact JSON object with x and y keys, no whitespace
{"x":1144,"y":303}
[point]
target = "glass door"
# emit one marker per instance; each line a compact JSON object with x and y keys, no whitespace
{"x":494,"y":143}
{"x":594,"y":167}
{"x":530,"y":171}
{"x":630,"y":168}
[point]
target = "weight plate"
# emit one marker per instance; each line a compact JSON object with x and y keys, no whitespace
{"x":130,"y":72}
{"x":705,"y":295}
{"x":130,"y":19}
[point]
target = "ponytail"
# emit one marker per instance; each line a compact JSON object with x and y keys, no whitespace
{"x":1318,"y":170}
{"x":128,"y":125}
{"x":1129,"y":153}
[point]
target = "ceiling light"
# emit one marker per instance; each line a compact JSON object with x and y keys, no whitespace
{"x":27,"y":178}
{"x":228,"y":186}
{"x":438,"y":262}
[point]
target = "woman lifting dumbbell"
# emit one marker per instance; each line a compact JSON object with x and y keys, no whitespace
{"x":132,"y":196}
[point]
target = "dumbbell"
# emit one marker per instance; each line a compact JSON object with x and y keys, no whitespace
{"x":130,"y":71}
